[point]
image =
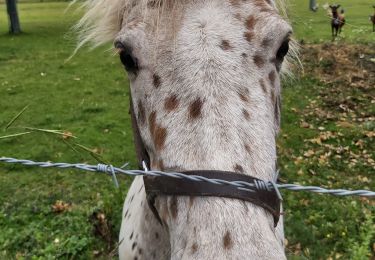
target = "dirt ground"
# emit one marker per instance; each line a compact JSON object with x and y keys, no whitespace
{"x":353,"y":65}
{"x":349,"y":71}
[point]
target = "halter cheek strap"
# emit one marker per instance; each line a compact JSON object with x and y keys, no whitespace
{"x":263,"y":194}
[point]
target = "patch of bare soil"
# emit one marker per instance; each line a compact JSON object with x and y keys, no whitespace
{"x":348,"y":71}
{"x":351,"y":65}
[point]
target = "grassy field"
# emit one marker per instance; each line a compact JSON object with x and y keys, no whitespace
{"x":315,"y":27}
{"x":327,"y":138}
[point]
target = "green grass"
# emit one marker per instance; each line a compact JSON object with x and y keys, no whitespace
{"x":88,"y":96}
{"x":316,"y":27}
{"x":320,"y":226}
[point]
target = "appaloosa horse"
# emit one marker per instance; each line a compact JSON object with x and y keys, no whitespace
{"x":205,"y":87}
{"x":337,"y":20}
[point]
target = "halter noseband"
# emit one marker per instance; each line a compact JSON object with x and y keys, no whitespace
{"x":264,"y":194}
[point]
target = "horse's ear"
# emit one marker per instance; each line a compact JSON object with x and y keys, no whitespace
{"x":338,"y":6}
{"x":330,"y":6}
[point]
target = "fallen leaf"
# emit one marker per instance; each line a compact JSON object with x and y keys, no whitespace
{"x":60,"y":206}
{"x":370,"y":134}
{"x":305,"y":125}
{"x":309,"y":153}
{"x":344,"y":124}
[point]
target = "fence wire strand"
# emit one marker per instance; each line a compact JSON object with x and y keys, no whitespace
{"x":111,"y":170}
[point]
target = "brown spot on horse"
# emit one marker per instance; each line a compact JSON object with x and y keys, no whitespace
{"x":173,"y":206}
{"x":244,"y":95}
{"x":250,"y":23}
{"x":227,"y":241}
{"x":194,"y":248}
{"x":234,"y":2}
{"x":238,"y":168}
{"x":246,"y":114}
{"x":160,"y":136}
{"x":259,"y":61}
{"x":263,"y":85}
{"x":195,"y":108}
{"x":141,"y":113}
{"x":158,"y":133}
{"x":225,"y":45}
{"x":249,"y":35}
{"x":156,"y":80}
{"x":171,"y":103}
{"x":272,"y":77}
{"x":247,"y":148}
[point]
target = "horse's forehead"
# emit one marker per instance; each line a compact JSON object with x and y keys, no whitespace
{"x":233,"y":32}
{"x":165,"y":21}
{"x":155,"y":10}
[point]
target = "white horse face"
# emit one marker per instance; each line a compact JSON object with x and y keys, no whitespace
{"x":205,"y":83}
{"x":191,"y":60}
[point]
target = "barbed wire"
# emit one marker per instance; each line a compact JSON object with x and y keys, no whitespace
{"x":111,"y":170}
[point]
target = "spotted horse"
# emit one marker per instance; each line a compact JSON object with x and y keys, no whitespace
{"x":205,"y":89}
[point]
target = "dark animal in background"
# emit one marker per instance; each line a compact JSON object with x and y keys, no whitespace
{"x":372,"y":19}
{"x":337,"y":20}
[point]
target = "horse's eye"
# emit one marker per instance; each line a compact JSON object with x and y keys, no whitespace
{"x":130,"y":63}
{"x":283,"y":50}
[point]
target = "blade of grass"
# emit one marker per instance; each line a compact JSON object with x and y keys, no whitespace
{"x":14,"y":135}
{"x":16,"y":117}
{"x":71,"y":147}
{"x":95,"y":155}
{"x":49,"y":131}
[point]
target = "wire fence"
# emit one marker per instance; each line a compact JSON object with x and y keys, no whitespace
{"x":111,"y":170}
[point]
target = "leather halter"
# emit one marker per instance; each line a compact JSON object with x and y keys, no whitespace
{"x":264,"y":195}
